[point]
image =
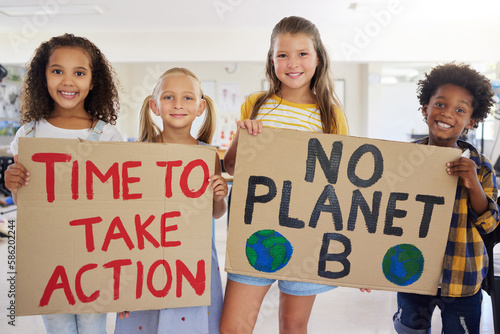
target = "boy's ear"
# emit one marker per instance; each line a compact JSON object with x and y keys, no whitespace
{"x":471,"y":124}
{"x":201,"y":107}
{"x":424,"y":110}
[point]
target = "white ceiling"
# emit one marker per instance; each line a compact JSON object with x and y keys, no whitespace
{"x":239,"y":30}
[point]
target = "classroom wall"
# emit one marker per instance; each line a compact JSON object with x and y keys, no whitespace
{"x":373,"y":108}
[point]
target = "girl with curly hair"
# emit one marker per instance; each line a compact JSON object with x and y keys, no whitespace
{"x":100,"y":101}
{"x":69,"y":92}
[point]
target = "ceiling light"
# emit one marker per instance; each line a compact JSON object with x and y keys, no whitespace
{"x":50,"y":10}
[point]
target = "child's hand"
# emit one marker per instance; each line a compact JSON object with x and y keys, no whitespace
{"x":466,"y":169}
{"x":365,"y":290}
{"x":16,"y":176}
{"x":123,"y":314}
{"x":219,"y":186}
{"x":254,"y":127}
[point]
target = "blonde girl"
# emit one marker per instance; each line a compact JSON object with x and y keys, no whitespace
{"x":300,"y":97}
{"x":178,"y":99}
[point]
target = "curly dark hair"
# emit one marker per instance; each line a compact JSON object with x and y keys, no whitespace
{"x":464,"y":76}
{"x":101,"y":102}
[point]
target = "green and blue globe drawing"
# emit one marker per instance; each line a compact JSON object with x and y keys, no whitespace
{"x":403,"y":264}
{"x":268,"y":251}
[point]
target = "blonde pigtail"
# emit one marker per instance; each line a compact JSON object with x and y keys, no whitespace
{"x":148,"y":131}
{"x":207,"y":129}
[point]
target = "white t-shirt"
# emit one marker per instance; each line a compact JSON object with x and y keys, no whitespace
{"x":44,"y":129}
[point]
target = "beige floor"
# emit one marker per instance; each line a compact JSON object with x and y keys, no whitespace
{"x":343,"y":310}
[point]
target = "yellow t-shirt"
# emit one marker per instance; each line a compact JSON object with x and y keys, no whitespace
{"x":279,"y":113}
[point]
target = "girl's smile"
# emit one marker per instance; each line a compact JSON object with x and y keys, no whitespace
{"x":294,"y":75}
{"x":68,"y":95}
{"x":178,"y":115}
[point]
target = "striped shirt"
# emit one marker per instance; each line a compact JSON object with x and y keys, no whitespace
{"x":466,"y":260}
{"x":279,"y":113}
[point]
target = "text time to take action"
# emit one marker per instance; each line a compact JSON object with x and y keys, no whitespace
{"x":107,"y":227}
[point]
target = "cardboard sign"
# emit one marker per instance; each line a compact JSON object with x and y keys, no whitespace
{"x":340,"y":210}
{"x":113,"y":226}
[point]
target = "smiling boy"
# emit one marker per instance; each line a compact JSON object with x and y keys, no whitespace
{"x":454,"y":99}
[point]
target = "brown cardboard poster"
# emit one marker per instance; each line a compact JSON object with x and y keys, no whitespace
{"x":113,"y":226}
{"x":340,"y":210}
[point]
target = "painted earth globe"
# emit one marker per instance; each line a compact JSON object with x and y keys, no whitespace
{"x":268,"y":251}
{"x":403,"y":264}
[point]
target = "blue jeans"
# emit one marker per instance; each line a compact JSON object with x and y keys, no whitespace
{"x":459,"y":315}
{"x":289,"y":287}
{"x":94,"y":323}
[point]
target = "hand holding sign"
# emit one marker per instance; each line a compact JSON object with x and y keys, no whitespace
{"x":16,"y":176}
